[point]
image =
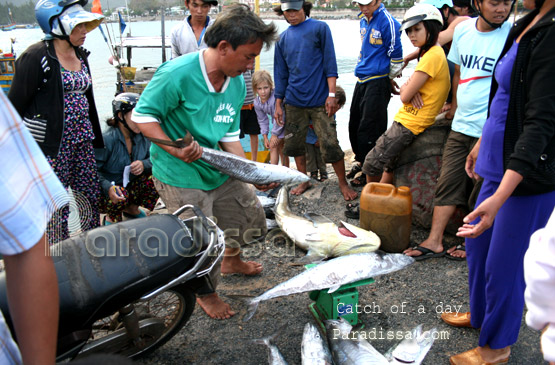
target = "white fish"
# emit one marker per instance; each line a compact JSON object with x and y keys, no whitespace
{"x":251,"y":172}
{"x":412,"y":349}
{"x":334,"y":273}
{"x":274,"y":357}
{"x":348,"y":347}
{"x":319,"y":235}
{"x":240,"y":168}
{"x":314,"y":349}
{"x":351,"y":346}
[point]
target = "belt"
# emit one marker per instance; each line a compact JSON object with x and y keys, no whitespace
{"x":247,"y":107}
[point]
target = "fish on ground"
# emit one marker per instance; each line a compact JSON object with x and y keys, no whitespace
{"x":413,"y":348}
{"x":240,"y":168}
{"x":333,"y":274}
{"x":349,"y":347}
{"x":274,"y":356}
{"x":319,"y":236}
{"x":314,"y":348}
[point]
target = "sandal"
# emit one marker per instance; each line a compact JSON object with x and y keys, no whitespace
{"x":314,"y":175}
{"x":355,"y":169}
{"x":456,"y":258}
{"x":426,"y":253}
{"x":323,"y":176}
{"x":359,"y":181}
{"x":352,"y":211}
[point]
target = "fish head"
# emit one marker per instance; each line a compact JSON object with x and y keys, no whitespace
{"x":337,"y":327}
{"x":351,"y":239}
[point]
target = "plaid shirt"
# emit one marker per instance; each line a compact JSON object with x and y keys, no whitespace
{"x":30,"y":192}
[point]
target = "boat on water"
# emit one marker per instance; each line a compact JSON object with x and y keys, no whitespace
{"x":7,"y":68}
{"x":134,"y":78}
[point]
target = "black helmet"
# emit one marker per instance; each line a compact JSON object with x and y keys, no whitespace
{"x":124,"y":102}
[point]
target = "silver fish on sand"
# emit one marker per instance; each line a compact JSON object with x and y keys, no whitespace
{"x":274,"y":357}
{"x":349,"y":347}
{"x":412,"y":349}
{"x":319,"y":235}
{"x":314,"y":348}
{"x":240,"y":168}
{"x":332,"y":274}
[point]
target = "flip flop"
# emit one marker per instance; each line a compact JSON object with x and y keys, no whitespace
{"x":456,"y":258}
{"x":352,"y":211}
{"x":355,"y":169}
{"x":427,"y":253}
{"x":359,"y":181}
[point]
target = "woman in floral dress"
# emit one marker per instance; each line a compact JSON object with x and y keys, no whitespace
{"x":52,"y":90}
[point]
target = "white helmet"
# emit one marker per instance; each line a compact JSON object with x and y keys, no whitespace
{"x":421,"y":12}
{"x":73,"y":16}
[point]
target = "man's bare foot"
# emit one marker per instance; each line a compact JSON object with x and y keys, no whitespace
{"x":301,"y":188}
{"x":348,"y":193}
{"x":437,"y":247}
{"x":234,"y":265}
{"x":215,"y":307}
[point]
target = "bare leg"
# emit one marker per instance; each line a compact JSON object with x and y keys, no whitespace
{"x":274,"y":156}
{"x":434,"y":242}
{"x":387,"y":178}
{"x":254,"y":146}
{"x":371,"y":179}
{"x":284,"y":159}
{"x":301,"y":166}
{"x":215,"y":307}
{"x":339,"y":168}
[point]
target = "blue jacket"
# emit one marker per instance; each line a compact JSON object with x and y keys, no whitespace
{"x":381,"y":45}
{"x":112,"y":159}
{"x":304,"y":58}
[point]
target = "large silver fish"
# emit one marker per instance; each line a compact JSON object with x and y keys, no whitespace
{"x":352,"y":347}
{"x":240,"y":168}
{"x":349,"y":347}
{"x":319,"y":235}
{"x":332,"y":274}
{"x":274,"y":357}
{"x":314,"y":349}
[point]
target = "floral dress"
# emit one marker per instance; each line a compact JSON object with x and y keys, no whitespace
{"x":75,"y":164}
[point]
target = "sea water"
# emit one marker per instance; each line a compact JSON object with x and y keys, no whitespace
{"x":345,"y":35}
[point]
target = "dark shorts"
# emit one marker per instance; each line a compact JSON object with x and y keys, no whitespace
{"x":296,"y":126}
{"x":388,"y":148}
{"x":454,"y":187}
{"x":249,"y":123}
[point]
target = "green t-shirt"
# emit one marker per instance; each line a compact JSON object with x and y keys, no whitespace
{"x":182,"y":99}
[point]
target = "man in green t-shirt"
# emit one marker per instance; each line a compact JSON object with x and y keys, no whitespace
{"x":202,"y":93}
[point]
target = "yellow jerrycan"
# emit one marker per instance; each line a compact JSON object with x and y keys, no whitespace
{"x":387,"y":211}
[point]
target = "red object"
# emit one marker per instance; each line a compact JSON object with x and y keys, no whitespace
{"x":96,"y":7}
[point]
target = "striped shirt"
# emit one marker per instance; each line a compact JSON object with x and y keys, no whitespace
{"x":29,"y":194}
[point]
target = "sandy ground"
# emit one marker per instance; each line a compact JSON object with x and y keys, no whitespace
{"x":395,"y":302}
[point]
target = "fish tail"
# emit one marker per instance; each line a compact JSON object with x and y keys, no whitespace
{"x":252,"y":306}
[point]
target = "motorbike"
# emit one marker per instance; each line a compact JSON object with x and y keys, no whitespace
{"x":128,"y":288}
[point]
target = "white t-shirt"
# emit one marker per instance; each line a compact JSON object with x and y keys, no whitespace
{"x":476,"y":53}
{"x":183,"y":38}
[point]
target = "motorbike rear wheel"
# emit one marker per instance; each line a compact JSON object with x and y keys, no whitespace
{"x":160,"y":318}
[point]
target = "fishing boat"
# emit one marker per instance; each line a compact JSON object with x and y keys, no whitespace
{"x":132,"y":78}
{"x":11,"y":26}
{"x":7,"y":68}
